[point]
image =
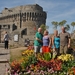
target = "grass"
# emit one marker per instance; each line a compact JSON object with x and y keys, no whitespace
{"x":15,"y":54}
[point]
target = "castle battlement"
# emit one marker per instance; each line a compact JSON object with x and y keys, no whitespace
{"x":22,"y":20}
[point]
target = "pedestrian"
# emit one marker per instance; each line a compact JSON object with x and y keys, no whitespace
{"x":38,"y":41}
{"x":56,"y":43}
{"x":6,"y":40}
{"x":64,"y":41}
{"x":46,"y":42}
{"x":28,"y":42}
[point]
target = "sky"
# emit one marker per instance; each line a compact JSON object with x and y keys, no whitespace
{"x":57,"y":10}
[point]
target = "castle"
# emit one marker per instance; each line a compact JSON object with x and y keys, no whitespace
{"x":21,"y":22}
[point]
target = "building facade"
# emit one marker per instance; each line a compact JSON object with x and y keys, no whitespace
{"x":21,"y":22}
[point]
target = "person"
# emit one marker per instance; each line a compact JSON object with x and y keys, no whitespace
{"x":64,"y":41}
{"x":38,"y":41}
{"x":56,"y":43}
{"x":6,"y":40}
{"x":46,"y":42}
{"x":25,"y":42}
{"x":28,"y":41}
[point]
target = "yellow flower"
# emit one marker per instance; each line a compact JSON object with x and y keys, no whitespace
{"x":66,"y":57}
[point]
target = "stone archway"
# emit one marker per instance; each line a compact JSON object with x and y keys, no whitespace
{"x":24,"y":32}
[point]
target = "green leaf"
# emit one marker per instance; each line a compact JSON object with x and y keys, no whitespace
{"x":47,"y":56}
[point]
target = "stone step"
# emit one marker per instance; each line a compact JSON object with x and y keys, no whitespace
{"x":4,"y":60}
{"x":1,"y":45}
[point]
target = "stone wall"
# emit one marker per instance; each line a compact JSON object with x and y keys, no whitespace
{"x":22,"y":21}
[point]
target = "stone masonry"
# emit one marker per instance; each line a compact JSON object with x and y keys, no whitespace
{"x":21,"y":22}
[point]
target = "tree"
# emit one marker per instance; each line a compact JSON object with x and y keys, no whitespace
{"x":47,"y":27}
{"x":67,"y":27}
{"x":43,"y":27}
{"x":74,"y":31}
{"x":62,"y":23}
{"x":73,"y":25}
{"x":55,"y":24}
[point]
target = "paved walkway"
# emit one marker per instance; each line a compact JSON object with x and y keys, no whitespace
{"x":4,"y":59}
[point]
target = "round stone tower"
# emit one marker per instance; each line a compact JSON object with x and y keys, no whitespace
{"x":22,"y":21}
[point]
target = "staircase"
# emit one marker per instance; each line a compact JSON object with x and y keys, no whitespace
{"x":1,"y":45}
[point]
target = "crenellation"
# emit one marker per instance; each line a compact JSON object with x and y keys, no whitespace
{"x":22,"y":21}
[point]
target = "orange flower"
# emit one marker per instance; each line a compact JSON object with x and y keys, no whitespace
{"x":73,"y":70}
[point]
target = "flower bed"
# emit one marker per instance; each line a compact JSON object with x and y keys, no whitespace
{"x":43,"y":64}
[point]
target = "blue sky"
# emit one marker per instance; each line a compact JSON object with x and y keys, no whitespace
{"x":57,"y":10}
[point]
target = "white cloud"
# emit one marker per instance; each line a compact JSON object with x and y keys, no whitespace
{"x":68,"y":13}
{"x":48,"y":4}
{"x":56,"y":9}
